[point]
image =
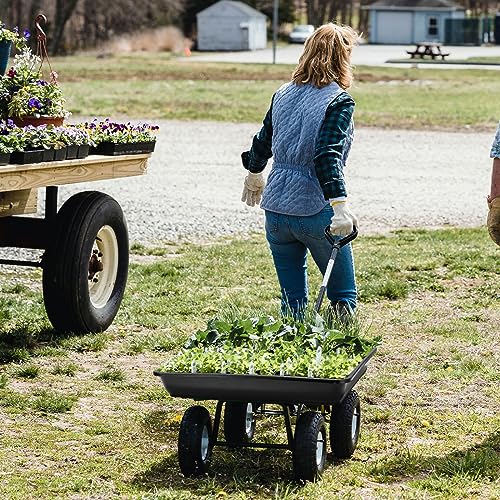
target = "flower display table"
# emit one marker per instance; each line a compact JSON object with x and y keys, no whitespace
{"x":85,"y":242}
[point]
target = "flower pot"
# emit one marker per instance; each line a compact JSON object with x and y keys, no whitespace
{"x":48,"y":155}
{"x":4,"y":56}
{"x":4,"y":158}
{"x":114,"y":149}
{"x":60,"y":154}
{"x":24,"y":157}
{"x":71,"y":151}
{"x":83,"y":151}
{"x":57,"y":121}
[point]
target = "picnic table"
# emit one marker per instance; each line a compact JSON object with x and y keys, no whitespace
{"x":432,"y":50}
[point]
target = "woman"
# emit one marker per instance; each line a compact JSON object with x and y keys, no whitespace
{"x":308,"y":130}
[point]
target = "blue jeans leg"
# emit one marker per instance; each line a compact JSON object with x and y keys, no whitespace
{"x":311,"y":231}
{"x":289,"y":256}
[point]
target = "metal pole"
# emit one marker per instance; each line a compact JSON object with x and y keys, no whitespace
{"x":275,"y":28}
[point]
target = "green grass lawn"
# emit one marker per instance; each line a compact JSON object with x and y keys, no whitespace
{"x":154,"y":86}
{"x":84,"y":417}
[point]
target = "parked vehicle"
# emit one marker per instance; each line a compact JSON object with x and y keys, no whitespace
{"x":300,"y":33}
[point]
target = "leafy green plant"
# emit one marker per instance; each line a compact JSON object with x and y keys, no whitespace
{"x":267,"y":346}
{"x":24,"y":91}
{"x":13,"y":36}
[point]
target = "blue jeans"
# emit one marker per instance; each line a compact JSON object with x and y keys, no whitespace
{"x":289,"y":238}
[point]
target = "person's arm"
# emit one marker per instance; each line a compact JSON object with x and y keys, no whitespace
{"x":261,"y":151}
{"x":330,"y":146}
{"x":493,"y":220}
{"x":495,"y":172}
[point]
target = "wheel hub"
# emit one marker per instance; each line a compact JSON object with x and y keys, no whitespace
{"x":249,"y":419}
{"x":320,"y":445}
{"x":204,"y":443}
{"x":103,"y":266}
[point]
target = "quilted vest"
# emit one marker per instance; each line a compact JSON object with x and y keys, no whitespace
{"x":297,"y":114}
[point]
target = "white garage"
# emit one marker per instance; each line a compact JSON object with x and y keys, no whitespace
{"x":404,"y":22}
{"x":231,"y":25}
{"x":401,"y":27}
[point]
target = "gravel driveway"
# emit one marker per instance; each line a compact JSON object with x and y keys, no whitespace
{"x":395,"y":178}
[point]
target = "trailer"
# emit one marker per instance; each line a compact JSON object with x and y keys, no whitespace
{"x":85,"y":242}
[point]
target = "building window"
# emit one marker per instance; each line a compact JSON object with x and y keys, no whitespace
{"x":432,"y":26}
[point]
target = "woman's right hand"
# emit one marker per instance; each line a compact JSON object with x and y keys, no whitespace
{"x":253,"y":187}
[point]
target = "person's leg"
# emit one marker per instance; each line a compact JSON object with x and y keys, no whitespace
{"x":341,"y":288}
{"x":289,"y":257}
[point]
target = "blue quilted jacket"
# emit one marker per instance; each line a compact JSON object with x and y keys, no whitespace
{"x":297,"y":114}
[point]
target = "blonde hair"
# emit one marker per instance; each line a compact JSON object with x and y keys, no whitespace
{"x":327,"y":57}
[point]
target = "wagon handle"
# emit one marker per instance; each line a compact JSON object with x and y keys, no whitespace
{"x":336,"y":246}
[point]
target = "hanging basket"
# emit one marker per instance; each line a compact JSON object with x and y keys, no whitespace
{"x":57,"y":121}
{"x":4,"y":56}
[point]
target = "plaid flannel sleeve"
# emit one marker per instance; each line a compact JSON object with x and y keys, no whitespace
{"x":495,"y":148}
{"x":261,"y":145}
{"x":330,"y":146}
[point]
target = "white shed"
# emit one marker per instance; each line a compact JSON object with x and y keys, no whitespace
{"x":231,"y":25}
{"x":411,"y":21}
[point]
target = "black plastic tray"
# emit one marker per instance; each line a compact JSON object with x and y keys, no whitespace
{"x":262,"y":388}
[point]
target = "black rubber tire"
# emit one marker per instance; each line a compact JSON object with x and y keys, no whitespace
{"x":192,"y":462}
{"x":306,"y":466}
{"x":343,"y":440}
{"x":66,"y":263}
{"x":235,"y":423}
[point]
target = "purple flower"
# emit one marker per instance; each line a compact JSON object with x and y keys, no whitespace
{"x":11,"y":73}
{"x":15,"y":29}
{"x":26,"y":34}
{"x":33,"y":102}
{"x":42,"y":83}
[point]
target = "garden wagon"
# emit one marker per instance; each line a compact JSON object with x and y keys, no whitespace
{"x":312,"y":401}
{"x":85,"y":242}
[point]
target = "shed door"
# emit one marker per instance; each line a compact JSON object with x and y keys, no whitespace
{"x":395,"y":27}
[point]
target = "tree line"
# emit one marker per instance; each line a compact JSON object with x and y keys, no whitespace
{"x":82,"y":24}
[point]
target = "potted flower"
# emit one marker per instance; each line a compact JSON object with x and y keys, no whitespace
{"x":27,"y":98}
{"x":7,"y":38}
{"x":56,"y":142}
{"x":111,"y":138}
{"x":77,"y":142}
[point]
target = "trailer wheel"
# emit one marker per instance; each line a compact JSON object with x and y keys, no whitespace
{"x":85,"y":267}
{"x":344,"y":426}
{"x":309,"y":452}
{"x":239,"y":422}
{"x":194,"y":450}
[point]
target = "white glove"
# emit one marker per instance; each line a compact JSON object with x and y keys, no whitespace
{"x":343,"y":219}
{"x":252,"y":189}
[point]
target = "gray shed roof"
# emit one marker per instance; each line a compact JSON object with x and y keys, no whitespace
{"x":414,"y":5}
{"x":242,"y":7}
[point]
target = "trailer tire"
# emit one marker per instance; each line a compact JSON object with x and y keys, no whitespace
{"x":309,"y":451}
{"x":344,"y":426}
{"x":85,"y":266}
{"x":239,"y":422}
{"x":193,"y":447}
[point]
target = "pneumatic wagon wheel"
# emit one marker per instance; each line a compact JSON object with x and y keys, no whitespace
{"x":344,"y":426}
{"x":309,"y":452}
{"x":193,"y":447}
{"x":85,"y":266}
{"x":239,"y":422}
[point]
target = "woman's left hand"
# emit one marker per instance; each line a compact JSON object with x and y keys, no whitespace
{"x":343,"y":220}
